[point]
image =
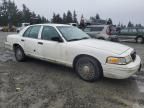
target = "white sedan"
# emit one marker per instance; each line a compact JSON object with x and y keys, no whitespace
{"x":92,"y":59}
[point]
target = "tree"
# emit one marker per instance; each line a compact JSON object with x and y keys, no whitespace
{"x":82,"y":22}
{"x":97,"y":16}
{"x":130,"y":24}
{"x":11,"y":15}
{"x":75,"y":17}
{"x":109,"y":22}
{"x":69,"y":17}
{"x":26,"y":14}
{"x":56,"y":18}
{"x":64,"y":18}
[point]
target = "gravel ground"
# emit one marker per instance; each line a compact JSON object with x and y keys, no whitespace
{"x":39,"y":84}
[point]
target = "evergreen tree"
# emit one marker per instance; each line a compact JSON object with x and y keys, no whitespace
{"x":69,"y":17}
{"x":109,"y":22}
{"x":26,"y":14}
{"x":97,"y":16}
{"x":64,"y":18}
{"x":82,"y":22}
{"x":130,"y":24}
{"x":54,"y":18}
{"x":10,"y":14}
{"x":75,"y":17}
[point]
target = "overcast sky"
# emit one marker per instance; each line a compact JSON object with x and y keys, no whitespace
{"x":119,"y":10}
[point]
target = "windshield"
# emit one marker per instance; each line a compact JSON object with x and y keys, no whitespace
{"x":71,"y":33}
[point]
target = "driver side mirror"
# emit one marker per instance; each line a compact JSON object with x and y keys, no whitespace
{"x":57,"y":39}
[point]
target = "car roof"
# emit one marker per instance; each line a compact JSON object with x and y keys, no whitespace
{"x":51,"y":24}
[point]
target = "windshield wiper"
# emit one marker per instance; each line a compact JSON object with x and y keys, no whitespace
{"x":79,"y":39}
{"x":74,"y":39}
{"x":84,"y":38}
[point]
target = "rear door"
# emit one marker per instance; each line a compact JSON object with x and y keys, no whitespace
{"x":30,"y":40}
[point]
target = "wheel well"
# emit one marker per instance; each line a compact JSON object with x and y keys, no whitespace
{"x":139,"y":36}
{"x":83,"y":55}
{"x":101,"y":38}
{"x":15,"y":45}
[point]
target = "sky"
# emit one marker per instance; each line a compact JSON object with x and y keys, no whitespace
{"x":119,"y":10}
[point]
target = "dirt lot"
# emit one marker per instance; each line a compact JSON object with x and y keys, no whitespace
{"x":39,"y":84}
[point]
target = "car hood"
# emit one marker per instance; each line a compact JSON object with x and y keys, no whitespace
{"x":103,"y":45}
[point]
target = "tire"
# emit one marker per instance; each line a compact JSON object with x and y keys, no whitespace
{"x":19,"y":54}
{"x":140,"y":40}
{"x":88,"y":69}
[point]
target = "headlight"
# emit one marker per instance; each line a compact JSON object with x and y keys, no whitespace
{"x":119,"y":60}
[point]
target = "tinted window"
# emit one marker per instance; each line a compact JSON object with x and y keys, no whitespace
{"x":26,"y":34}
{"x":97,"y":28}
{"x":140,"y":30}
{"x":87,"y":29}
{"x":132,"y":30}
{"x":49,"y":33}
{"x":32,"y":32}
{"x":124,"y":30}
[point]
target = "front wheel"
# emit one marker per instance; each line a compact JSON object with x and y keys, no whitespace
{"x":140,"y":40}
{"x":88,"y":69}
{"x":19,"y":54}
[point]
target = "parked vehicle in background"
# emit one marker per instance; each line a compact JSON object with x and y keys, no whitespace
{"x":73,"y":24}
{"x":136,"y":34}
{"x":8,"y":29}
{"x":103,"y":32}
{"x":23,"y":25}
{"x":92,"y":59}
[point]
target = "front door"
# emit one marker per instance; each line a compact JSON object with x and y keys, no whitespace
{"x":51,"y":45}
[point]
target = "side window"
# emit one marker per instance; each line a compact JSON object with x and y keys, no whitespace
{"x":87,"y":29}
{"x":34,"y":32}
{"x":97,"y":28}
{"x":49,"y":33}
{"x":26,"y":33}
{"x":132,"y":30}
{"x":124,"y":30}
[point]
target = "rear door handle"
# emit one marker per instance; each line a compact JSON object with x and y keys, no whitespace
{"x":40,"y":43}
{"x":22,"y":40}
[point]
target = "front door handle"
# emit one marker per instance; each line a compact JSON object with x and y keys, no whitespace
{"x":22,"y":40}
{"x":40,"y":43}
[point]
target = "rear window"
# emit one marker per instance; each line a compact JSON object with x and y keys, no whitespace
{"x":132,"y":30}
{"x":140,"y":30}
{"x":97,"y":28}
{"x":91,"y":29}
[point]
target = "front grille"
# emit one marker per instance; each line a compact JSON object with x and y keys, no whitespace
{"x":133,"y":55}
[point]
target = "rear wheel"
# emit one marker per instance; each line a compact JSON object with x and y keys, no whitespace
{"x":88,"y":69}
{"x":140,"y":40}
{"x":19,"y":54}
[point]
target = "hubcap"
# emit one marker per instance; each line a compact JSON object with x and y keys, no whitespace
{"x":86,"y":70}
{"x":139,"y":40}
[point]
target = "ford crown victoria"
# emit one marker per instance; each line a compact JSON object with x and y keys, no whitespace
{"x":92,"y":59}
